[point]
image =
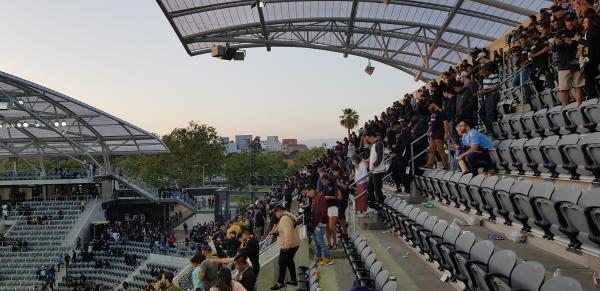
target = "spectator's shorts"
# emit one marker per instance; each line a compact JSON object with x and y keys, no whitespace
{"x":568,"y":79}
{"x":332,"y":211}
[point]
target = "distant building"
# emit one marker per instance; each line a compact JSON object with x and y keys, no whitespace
{"x":291,"y":145}
{"x":243,"y":142}
{"x":271,"y":144}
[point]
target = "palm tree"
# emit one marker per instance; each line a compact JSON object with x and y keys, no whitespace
{"x":349,"y":119}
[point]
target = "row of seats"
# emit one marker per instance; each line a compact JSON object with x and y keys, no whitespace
{"x":567,"y":210}
{"x":474,"y":263}
{"x":368,"y":270}
{"x":557,"y":120}
{"x":145,"y":274}
{"x":573,"y":155}
{"x":308,"y":278}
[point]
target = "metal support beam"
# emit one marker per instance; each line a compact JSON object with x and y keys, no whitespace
{"x":507,"y":7}
{"x":350,"y":26}
{"x":438,"y":37}
{"x":263,"y":26}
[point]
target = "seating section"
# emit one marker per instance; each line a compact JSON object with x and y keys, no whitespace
{"x":110,"y":277}
{"x":565,"y":210}
{"x":368,"y":270}
{"x":477,"y":264}
{"x":150,"y":273}
{"x":44,"y":242}
{"x":142,"y":248}
{"x":308,"y":278}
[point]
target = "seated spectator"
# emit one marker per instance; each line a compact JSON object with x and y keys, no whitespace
{"x":225,"y":283}
{"x":474,"y":149}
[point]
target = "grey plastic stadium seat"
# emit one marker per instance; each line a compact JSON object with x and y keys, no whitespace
{"x":506,"y":155}
{"x":408,"y":221}
{"x":445,"y":190}
{"x":437,"y":190}
{"x":552,"y":156}
{"x":593,"y":213}
{"x":381,"y":279}
{"x":411,"y":227}
{"x":517,"y":149}
{"x":575,"y":114}
{"x":463,"y":245}
{"x":524,"y":211}
{"x":534,"y":155}
{"x":572,"y":147}
{"x":529,"y":124}
{"x":574,"y":212}
{"x":506,"y":126}
{"x":498,"y":133}
{"x":517,"y":125}
{"x":562,"y":284}
{"x":429,"y":182}
{"x":393,"y":286}
{"x":525,"y":276}
{"x":480,"y":253}
{"x":497,"y":161}
{"x":542,"y":122}
{"x":501,"y":264}
{"x":592,"y":113}
{"x":448,"y":240}
{"x":474,"y":190}
{"x":488,"y":196}
{"x":557,"y":120}
{"x":549,"y":98}
{"x":454,"y":194}
{"x":422,"y":233}
{"x":503,"y":193}
{"x":463,"y":190}
{"x":436,"y":234}
{"x":550,"y":214}
{"x":591,"y":145}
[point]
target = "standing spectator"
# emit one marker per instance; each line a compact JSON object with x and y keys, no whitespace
{"x":361,"y":170}
{"x":590,"y":39}
{"x":377,"y":168}
{"x":196,"y":260}
{"x":259,"y":222}
{"x":208,"y":270}
{"x":438,"y":130}
{"x":331,"y":196}
{"x":489,"y":92}
{"x":288,"y":240}
{"x":570,"y":75}
{"x":251,"y":249}
{"x":539,"y":55}
{"x":185,"y":228}
{"x":450,"y":109}
{"x":319,"y":219}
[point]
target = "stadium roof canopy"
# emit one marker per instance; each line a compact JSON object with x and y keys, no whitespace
{"x":45,"y":122}
{"x":419,"y":37}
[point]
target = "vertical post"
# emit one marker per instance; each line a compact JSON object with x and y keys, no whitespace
{"x":203,"y":175}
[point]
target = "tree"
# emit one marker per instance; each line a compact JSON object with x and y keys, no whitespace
{"x":237,"y":167}
{"x":349,"y":119}
{"x":306,"y":157}
{"x":191,"y":147}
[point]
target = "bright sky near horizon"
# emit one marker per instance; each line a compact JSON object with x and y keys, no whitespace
{"x":124,"y":58}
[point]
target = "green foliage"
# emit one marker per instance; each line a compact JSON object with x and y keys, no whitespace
{"x":238,"y":167}
{"x":191,"y":147}
{"x":349,"y":119}
{"x":306,"y":157}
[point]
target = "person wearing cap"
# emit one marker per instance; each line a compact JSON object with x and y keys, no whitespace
{"x":377,"y":168}
{"x":208,"y":270}
{"x":489,"y":92}
{"x":570,"y":75}
{"x":245,"y":274}
{"x":288,"y":241}
{"x":538,"y":54}
{"x":466,"y":100}
{"x":438,"y":133}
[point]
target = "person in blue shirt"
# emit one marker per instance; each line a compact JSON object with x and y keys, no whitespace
{"x":474,"y":149}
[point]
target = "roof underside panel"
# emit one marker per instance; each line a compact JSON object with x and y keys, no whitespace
{"x":46,"y":122}
{"x":419,"y":37}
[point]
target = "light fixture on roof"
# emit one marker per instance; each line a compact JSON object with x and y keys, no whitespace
{"x":5,"y":104}
{"x":25,"y":124}
{"x":37,"y":124}
{"x":227,"y":53}
{"x":262,"y":3}
{"x":19,"y":125}
{"x":63,"y":123}
{"x":369,"y":69}
{"x":21,"y":102}
{"x":56,"y":124}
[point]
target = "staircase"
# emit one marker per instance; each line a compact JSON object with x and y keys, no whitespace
{"x":153,"y":194}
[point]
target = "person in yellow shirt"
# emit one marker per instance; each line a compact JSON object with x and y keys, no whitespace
{"x":233,"y":230}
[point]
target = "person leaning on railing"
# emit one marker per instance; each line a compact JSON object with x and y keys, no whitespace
{"x":360,"y":173}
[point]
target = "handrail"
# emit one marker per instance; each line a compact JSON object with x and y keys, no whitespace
{"x":369,"y":173}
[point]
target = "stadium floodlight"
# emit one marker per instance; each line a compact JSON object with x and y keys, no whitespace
{"x":19,"y":125}
{"x":25,"y":124}
{"x":369,"y":69}
{"x":262,"y":3}
{"x":37,"y":124}
{"x":56,"y":124}
{"x":63,"y":123}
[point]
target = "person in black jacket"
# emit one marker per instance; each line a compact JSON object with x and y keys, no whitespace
{"x":570,"y":75}
{"x":466,"y":100}
{"x":590,"y":39}
{"x":245,"y":274}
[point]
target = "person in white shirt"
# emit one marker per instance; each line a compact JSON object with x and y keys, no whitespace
{"x":361,"y":170}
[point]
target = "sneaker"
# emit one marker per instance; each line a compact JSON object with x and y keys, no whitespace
{"x":294,"y":283}
{"x":318,"y":260}
{"x":326,"y":262}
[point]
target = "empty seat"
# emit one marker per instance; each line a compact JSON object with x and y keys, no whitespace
{"x":463,"y":245}
{"x":444,"y":190}
{"x":577,"y":120}
{"x":501,"y":264}
{"x":550,"y":213}
{"x":572,"y":148}
{"x":421,"y":233}
{"x":542,"y":122}
{"x":592,"y":114}
{"x":524,"y":210}
{"x":454,"y":194}
{"x":533,"y":154}
{"x":525,"y":276}
{"x":474,"y":190}
{"x":516,"y":123}
{"x":446,"y":244}
{"x":553,"y":158}
{"x":591,"y":146}
{"x":507,"y":129}
{"x":480,"y":253}
{"x":488,"y":195}
{"x":549,"y":98}
{"x":557,"y":120}
{"x":504,"y":198}
{"x":435,"y":181}
{"x":577,"y":215}
{"x":463,"y":190}
{"x":497,"y":160}
{"x":562,"y":284}
{"x":529,"y":124}
{"x":435,"y":236}
{"x":504,"y":150}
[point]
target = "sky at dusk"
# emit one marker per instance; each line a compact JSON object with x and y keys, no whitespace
{"x":124,"y":58}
